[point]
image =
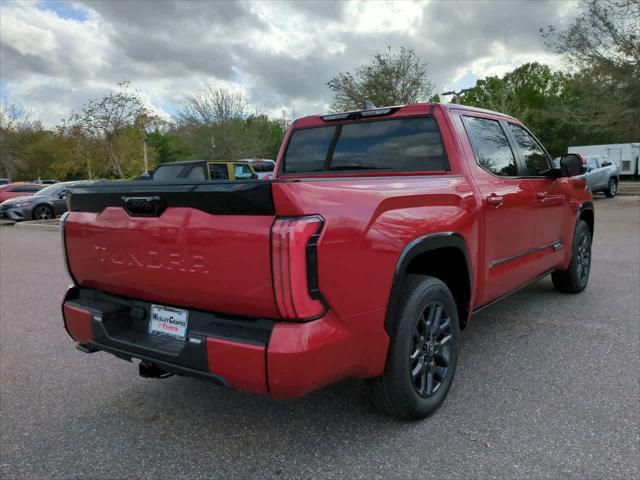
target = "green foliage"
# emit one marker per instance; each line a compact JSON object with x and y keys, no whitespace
{"x":169,"y":147}
{"x":389,"y":79}
{"x":562,"y":109}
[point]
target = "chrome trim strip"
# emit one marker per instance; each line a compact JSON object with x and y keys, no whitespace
{"x":557,"y":245}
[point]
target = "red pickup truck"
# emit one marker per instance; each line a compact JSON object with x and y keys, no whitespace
{"x":381,"y":234}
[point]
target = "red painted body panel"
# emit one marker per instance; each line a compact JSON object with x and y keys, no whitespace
{"x":223,"y":263}
{"x":78,"y":323}
{"x":185,"y":257}
{"x":6,"y":193}
{"x":242,"y":365}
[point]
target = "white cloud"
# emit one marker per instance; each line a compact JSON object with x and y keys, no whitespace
{"x":281,"y":54}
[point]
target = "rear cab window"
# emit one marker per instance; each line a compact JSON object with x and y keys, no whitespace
{"x":179,"y":171}
{"x":397,"y":144}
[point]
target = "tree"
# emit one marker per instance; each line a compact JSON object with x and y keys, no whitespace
{"x":169,"y":146}
{"x":16,"y":123}
{"x":213,"y":106}
{"x":219,"y":124}
{"x":389,"y":79}
{"x":603,"y":44}
{"x":107,"y":118}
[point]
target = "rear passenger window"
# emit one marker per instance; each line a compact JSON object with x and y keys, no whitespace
{"x":535,"y":157}
{"x":491,"y":146}
{"x":218,"y":171}
{"x":397,"y":144}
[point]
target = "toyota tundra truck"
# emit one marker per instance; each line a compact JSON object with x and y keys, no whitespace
{"x":382,"y":232}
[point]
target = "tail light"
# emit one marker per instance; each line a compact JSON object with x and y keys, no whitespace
{"x":295,"y":267}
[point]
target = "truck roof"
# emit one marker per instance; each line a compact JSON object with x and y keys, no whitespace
{"x":400,"y":111}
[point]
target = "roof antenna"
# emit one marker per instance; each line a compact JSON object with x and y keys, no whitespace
{"x":367,"y":105}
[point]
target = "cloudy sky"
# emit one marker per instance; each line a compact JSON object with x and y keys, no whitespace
{"x":55,"y":55}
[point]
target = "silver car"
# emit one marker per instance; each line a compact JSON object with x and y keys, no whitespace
{"x":601,"y":175}
{"x":49,"y":202}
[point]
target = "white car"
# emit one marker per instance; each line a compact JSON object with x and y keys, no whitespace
{"x":262,"y":166}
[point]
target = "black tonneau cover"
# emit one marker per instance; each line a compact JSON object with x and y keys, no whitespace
{"x":239,"y":197}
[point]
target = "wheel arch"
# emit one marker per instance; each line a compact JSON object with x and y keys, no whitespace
{"x":587,"y":214}
{"x":442,"y":255}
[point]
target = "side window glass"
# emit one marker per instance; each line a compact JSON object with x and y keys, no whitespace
{"x":491,"y":146}
{"x":534,"y":155}
{"x":242,"y":171}
{"x":592,"y":164}
{"x":218,"y":171}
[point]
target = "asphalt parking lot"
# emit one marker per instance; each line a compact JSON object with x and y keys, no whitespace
{"x":547,"y":387}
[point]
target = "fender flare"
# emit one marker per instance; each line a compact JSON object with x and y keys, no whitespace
{"x":420,"y":245}
{"x":584,"y":207}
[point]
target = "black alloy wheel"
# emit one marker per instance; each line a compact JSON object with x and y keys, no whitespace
{"x":431,"y":349}
{"x":43,"y":212}
{"x":583,"y":257}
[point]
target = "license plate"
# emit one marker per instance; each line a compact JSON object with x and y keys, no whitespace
{"x":171,"y":322}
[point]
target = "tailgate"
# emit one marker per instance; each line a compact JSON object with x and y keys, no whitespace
{"x":204,"y":246}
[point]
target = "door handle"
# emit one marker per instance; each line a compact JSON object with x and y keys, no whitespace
{"x":494,"y":200}
{"x":541,"y":195}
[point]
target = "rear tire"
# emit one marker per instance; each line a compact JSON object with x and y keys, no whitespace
{"x":575,"y":278}
{"x":423,"y":351}
{"x":43,"y":212}
{"x":612,"y":189}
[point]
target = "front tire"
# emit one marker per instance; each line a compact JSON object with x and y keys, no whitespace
{"x":575,"y":278}
{"x":612,"y":189}
{"x":423,"y":351}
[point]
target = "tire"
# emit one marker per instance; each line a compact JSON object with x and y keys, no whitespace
{"x":43,"y":212}
{"x":612,"y":189}
{"x":575,"y":278}
{"x":420,"y":365}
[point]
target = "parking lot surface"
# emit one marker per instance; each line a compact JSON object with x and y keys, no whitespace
{"x":547,"y":387}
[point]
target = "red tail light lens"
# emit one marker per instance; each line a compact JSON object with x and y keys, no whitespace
{"x":295,"y":267}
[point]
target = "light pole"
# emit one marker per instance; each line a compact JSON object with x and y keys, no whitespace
{"x":456,"y":95}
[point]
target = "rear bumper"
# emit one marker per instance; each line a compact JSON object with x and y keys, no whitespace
{"x":281,"y":359}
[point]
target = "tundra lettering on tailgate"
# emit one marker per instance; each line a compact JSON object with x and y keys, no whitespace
{"x":169,"y":259}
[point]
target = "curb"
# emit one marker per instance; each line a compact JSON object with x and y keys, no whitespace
{"x":38,"y":226}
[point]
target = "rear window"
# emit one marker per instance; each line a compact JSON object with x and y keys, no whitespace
{"x":263,"y":166}
{"x":395,"y":144}
{"x":169,"y":172}
{"x":26,"y":188}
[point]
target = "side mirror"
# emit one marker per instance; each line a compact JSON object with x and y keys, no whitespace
{"x":571,"y":165}
{"x":62,"y":195}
